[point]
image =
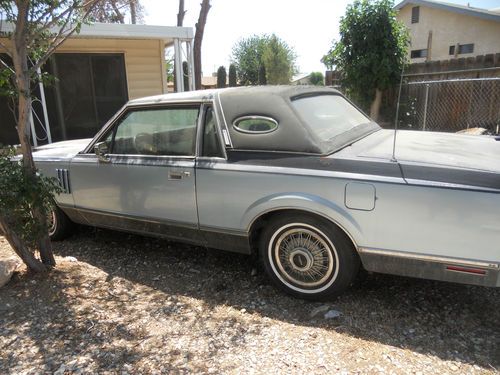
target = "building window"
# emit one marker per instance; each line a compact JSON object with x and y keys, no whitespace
{"x":462,"y":49}
{"x":417,"y":53}
{"x":415,"y":14}
{"x":465,"y":48}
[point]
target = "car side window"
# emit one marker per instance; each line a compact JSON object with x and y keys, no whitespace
{"x":210,"y":144}
{"x":156,"y":131}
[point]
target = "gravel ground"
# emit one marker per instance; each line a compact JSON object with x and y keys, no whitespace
{"x":119,"y":303}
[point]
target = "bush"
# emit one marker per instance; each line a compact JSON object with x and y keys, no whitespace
{"x":221,"y":77}
{"x":20,"y":193}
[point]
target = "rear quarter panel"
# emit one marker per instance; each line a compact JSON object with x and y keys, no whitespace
{"x":407,"y":218}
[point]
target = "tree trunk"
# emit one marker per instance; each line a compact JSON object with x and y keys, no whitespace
{"x":20,"y":60}
{"x":133,"y":12}
{"x":181,"y":14}
{"x":375,"y":106}
{"x":198,"y":37}
{"x":180,"y":21}
{"x":20,"y":249}
{"x":119,"y":15}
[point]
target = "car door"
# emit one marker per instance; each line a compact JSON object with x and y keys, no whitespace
{"x":146,"y":180}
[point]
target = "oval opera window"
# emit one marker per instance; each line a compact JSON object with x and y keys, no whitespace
{"x":255,"y":124}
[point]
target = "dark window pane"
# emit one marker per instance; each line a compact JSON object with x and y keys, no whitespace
{"x":416,"y":53}
{"x":76,"y":95}
{"x":452,"y":50}
{"x":8,"y":133}
{"x":415,"y":14}
{"x":211,"y":145}
{"x":109,"y":85}
{"x":466,"y":48}
{"x":89,"y":90}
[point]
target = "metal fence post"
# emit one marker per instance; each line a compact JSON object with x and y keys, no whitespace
{"x":425,"y":106}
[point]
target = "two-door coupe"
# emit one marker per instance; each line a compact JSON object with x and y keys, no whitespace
{"x":297,"y":174}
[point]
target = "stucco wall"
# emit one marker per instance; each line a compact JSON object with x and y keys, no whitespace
{"x":144,"y":61}
{"x":449,"y":28}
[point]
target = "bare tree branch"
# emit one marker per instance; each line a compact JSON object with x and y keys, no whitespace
{"x":63,"y":34}
{"x":181,"y":14}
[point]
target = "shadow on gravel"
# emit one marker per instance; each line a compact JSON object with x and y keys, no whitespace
{"x":68,"y":332}
{"x":451,"y":322}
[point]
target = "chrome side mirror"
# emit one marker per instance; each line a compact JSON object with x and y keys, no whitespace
{"x":101,"y":150}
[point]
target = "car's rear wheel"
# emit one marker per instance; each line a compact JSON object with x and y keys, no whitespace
{"x":308,"y":257}
{"x":60,"y":226}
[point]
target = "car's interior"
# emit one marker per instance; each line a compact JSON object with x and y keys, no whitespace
{"x":172,"y":142}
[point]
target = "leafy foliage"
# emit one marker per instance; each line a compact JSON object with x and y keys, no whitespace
{"x":38,"y":27}
{"x":279,"y":61}
{"x":267,"y":52}
{"x":221,"y":77}
{"x":372,"y":48}
{"x":317,"y":79}
{"x":232,"y":75}
{"x":20,"y":193}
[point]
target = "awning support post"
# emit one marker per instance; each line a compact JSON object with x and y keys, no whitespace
{"x":179,"y":81}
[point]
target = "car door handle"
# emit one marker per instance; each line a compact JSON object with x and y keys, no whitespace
{"x":178,"y":175}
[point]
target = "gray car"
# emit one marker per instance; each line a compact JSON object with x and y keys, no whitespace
{"x":297,"y":174}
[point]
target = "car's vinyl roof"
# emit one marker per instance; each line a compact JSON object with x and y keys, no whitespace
{"x":283,"y":90}
{"x":291,"y":135}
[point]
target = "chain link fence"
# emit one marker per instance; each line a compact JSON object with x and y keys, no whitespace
{"x":451,"y":105}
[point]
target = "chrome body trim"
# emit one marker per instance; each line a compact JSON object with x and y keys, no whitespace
{"x":430,"y":258}
{"x":255,"y":117}
{"x":225,"y":131}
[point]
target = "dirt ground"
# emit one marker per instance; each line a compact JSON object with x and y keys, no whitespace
{"x":125,"y":304}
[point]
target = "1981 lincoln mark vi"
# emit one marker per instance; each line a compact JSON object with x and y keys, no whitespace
{"x":297,"y":174}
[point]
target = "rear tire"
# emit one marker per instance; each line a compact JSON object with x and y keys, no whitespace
{"x":308,"y":257}
{"x":60,"y":226}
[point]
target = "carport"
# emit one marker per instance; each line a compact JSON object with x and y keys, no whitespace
{"x":98,"y":70}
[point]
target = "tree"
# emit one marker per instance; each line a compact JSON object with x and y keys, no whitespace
{"x":262,"y":75}
{"x":247,"y":57}
{"x":198,"y":38}
{"x":221,"y":77}
{"x":114,"y":11}
{"x":185,"y":75}
{"x":278,"y":59}
{"x":180,"y":21}
{"x":181,"y":13}
{"x":266,"y":52}
{"x":371,"y":52}
{"x":317,"y":79}
{"x":39,"y":27}
{"x":232,"y":75}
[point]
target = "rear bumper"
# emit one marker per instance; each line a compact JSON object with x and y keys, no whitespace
{"x":431,"y":267}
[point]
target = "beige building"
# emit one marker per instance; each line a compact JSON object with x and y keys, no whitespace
{"x":442,"y":31}
{"x":98,"y":71}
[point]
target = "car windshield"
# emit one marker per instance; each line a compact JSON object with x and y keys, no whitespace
{"x":332,"y":119}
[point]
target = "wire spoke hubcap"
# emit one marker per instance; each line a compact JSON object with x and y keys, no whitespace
{"x":303,"y":257}
{"x":51,"y":222}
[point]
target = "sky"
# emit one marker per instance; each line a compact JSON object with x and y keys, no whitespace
{"x":309,"y":26}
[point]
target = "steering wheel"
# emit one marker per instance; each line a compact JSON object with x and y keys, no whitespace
{"x":143,"y":143}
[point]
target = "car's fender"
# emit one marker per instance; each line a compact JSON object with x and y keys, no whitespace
{"x":307,"y":203}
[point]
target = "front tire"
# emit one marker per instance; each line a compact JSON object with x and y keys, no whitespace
{"x":308,"y":257}
{"x":60,"y":226}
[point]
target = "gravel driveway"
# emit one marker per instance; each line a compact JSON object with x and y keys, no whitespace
{"x":119,"y":303}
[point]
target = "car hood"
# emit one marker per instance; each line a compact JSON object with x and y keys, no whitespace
{"x":65,"y":149}
{"x":432,"y":149}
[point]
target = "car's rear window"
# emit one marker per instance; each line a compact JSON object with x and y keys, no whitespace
{"x":328,"y":116}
